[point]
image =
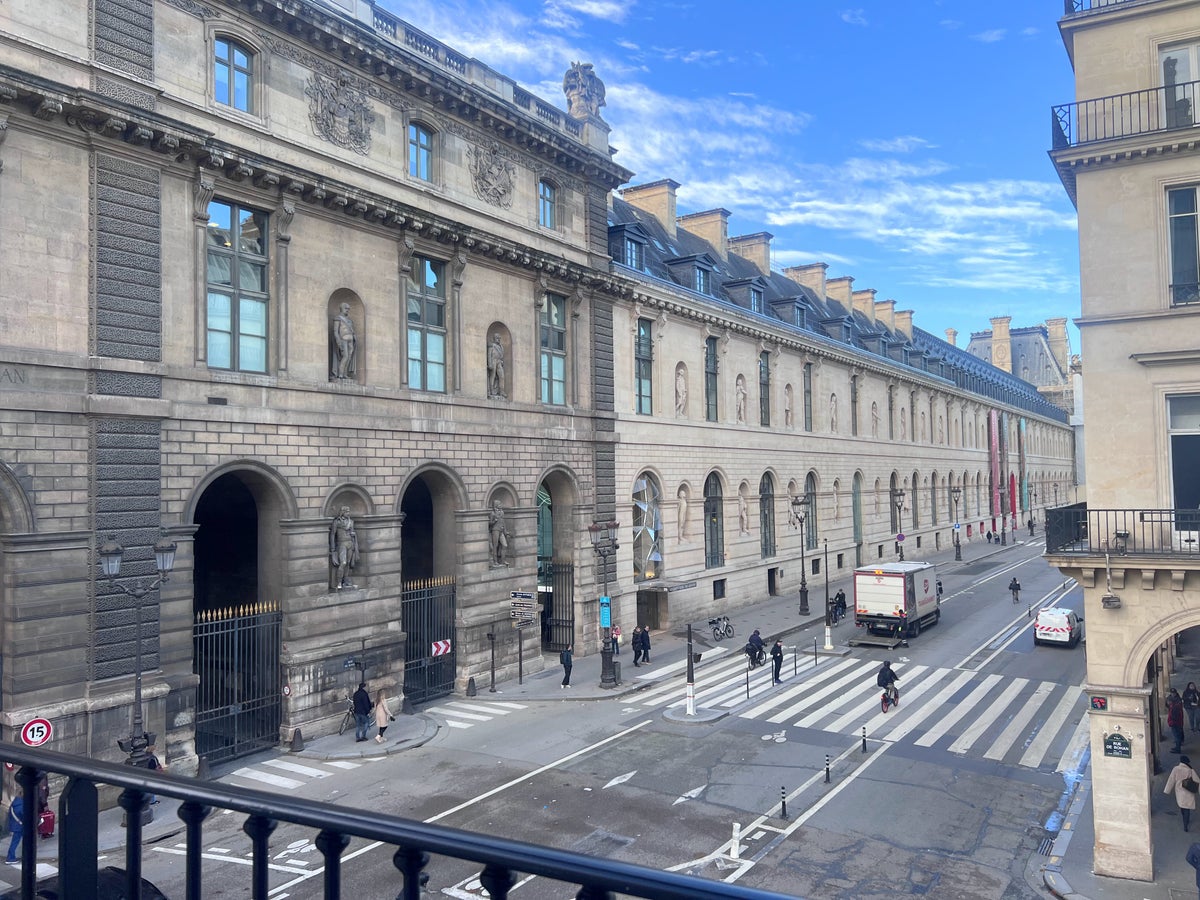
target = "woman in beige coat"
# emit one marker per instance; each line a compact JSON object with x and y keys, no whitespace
{"x":383,"y":715}
{"x":1185,"y":798}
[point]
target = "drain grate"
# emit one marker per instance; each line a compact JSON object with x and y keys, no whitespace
{"x":1046,"y":845}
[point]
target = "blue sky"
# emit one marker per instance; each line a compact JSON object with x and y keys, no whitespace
{"x":903,"y":143}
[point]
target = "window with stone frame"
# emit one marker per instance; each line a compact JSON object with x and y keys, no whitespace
{"x":233,"y":74}
{"x":547,"y":200}
{"x":1183,"y":423}
{"x":714,"y":523}
{"x":552,"y":327}
{"x":854,"y":405}
{"x":764,"y":389}
{"x":808,"y":396}
{"x":766,"y":515}
{"x":703,"y":280}
{"x":420,"y":151}
{"x":756,"y":300}
{"x":635,"y":254}
{"x":710,"y":379}
{"x":643,"y":364}
{"x":427,"y":337}
{"x":237,"y":277}
{"x":647,"y":528}
{"x":1184,"y":234}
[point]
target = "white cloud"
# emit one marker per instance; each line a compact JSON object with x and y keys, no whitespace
{"x":903,"y":144}
{"x":990,"y":36}
{"x":854,"y":16}
{"x":563,"y":14}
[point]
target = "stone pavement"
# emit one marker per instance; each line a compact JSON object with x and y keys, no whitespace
{"x":1066,"y":872}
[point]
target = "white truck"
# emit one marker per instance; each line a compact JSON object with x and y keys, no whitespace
{"x":896,"y":599}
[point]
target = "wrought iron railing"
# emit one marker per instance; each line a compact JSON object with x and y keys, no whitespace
{"x":1124,"y":115}
{"x":500,"y":859}
{"x":1070,"y":7}
{"x":1123,"y":532}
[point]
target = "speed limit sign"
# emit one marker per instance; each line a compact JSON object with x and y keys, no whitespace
{"x":36,"y":732}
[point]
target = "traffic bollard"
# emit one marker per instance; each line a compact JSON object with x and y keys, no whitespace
{"x":814,"y":651}
{"x":864,"y":750}
{"x":827,"y":768}
{"x":783,"y":802}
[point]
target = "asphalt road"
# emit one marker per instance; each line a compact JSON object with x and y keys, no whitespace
{"x":955,"y":793}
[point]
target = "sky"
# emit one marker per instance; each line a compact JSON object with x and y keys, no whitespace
{"x":902,"y":143}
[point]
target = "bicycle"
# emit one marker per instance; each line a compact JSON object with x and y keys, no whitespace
{"x":721,"y":628}
{"x":348,"y":719}
{"x":890,"y":697}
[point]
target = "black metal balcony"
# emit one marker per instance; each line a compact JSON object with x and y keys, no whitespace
{"x":1071,"y":7}
{"x":1077,"y":530}
{"x":1124,"y":115}
{"x":499,"y":859}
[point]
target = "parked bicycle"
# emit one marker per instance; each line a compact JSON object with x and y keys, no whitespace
{"x":348,"y":719}
{"x":721,"y":628}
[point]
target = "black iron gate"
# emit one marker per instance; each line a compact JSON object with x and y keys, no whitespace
{"x":427,"y":610}
{"x":236,"y":655}
{"x":556,"y":591}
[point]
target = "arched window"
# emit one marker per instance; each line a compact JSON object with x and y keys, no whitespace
{"x":233,"y":74}
{"x":812,"y":522}
{"x":766,"y":514}
{"x":915,"y":499}
{"x":894,"y":513}
{"x":933,"y":509}
{"x":647,"y":528}
{"x":714,"y":523}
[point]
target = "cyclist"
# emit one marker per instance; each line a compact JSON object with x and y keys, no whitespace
{"x":839,"y":606}
{"x":755,"y":650}
{"x":887,"y":679}
{"x":1015,"y":587}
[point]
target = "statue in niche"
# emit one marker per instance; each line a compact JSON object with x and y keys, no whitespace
{"x":874,"y":420}
{"x":922,"y":426}
{"x":941,"y":430}
{"x":683,"y":514}
{"x":343,"y":550}
{"x":498,"y":536}
{"x":903,"y":426}
{"x":833,"y":423}
{"x":788,"y":421}
{"x":584,"y":91}
{"x":681,"y":393}
{"x":495,"y":369}
{"x":345,"y":343}
{"x":837,"y":509}
{"x":743,"y":515}
{"x":739,"y":404}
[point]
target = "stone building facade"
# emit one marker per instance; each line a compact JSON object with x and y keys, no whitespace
{"x":265,"y":264}
{"x":1126,"y":154}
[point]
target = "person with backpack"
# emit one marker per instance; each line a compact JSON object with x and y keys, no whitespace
{"x":886,"y":679}
{"x":362,"y":712}
{"x":567,"y":660}
{"x":1015,"y":587}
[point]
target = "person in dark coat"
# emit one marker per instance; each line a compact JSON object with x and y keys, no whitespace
{"x":777,"y":658}
{"x":362,"y":712}
{"x":567,"y":661}
{"x":1191,"y":705}
{"x":1175,"y":719}
{"x":641,"y":645}
{"x":1193,"y":858}
{"x":16,"y":825}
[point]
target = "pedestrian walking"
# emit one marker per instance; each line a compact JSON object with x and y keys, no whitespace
{"x":16,"y":824}
{"x":839,"y":606}
{"x":567,"y":660}
{"x":635,"y":641}
{"x":1184,"y":782}
{"x":1015,"y":587}
{"x":1175,"y":719}
{"x":777,"y":658}
{"x":383,"y":714}
{"x":989,"y":537}
{"x":642,"y":637}
{"x":362,"y":712}
{"x":1191,"y":705}
{"x":1193,"y":858}
{"x":616,"y":640}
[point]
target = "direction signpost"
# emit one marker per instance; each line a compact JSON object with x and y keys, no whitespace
{"x":521,"y":608}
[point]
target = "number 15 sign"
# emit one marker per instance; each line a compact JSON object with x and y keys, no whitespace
{"x":36,"y":732}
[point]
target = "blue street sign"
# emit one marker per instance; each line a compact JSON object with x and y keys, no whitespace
{"x":606,"y":612}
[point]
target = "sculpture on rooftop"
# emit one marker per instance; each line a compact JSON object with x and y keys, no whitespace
{"x":585,"y":91}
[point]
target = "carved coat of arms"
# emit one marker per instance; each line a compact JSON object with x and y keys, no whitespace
{"x":492,"y":175}
{"x":340,"y":113}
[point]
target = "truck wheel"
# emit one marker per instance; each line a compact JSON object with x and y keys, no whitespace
{"x":937,"y":616}
{"x":914,"y":629}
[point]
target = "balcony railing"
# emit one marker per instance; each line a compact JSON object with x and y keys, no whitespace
{"x":1070,"y":7}
{"x":1124,"y":115}
{"x":499,"y":859}
{"x":1123,"y":532}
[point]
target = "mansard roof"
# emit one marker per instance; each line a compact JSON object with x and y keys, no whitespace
{"x":825,"y":319}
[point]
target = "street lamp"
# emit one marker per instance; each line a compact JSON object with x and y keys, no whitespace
{"x":799,"y":511}
{"x":1056,"y":494}
{"x":898,"y":502}
{"x":1032,"y":509}
{"x":111,"y":553}
{"x":955,"y":496}
{"x":604,"y":542}
{"x":828,"y":608}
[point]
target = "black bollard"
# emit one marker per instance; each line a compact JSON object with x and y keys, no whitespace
{"x":864,"y":749}
{"x":827,"y":768}
{"x":783,"y":802}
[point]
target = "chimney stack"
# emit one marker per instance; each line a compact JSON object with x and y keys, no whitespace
{"x":1060,"y":344}
{"x":864,"y":302}
{"x":885,"y":314}
{"x":951,"y":337}
{"x":754,"y":247}
{"x":904,"y":322}
{"x":712,"y":225}
{"x":811,"y":276}
{"x":656,"y":198}
{"x":839,"y":289}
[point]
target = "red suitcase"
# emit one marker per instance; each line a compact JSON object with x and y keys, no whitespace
{"x":46,"y":823}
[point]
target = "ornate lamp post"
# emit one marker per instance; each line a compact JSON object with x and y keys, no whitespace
{"x":1056,"y":494}
{"x":799,"y":511}
{"x":110,"y":553}
{"x":1032,"y":509}
{"x":955,"y":496}
{"x":898,"y":502}
{"x":604,"y":542}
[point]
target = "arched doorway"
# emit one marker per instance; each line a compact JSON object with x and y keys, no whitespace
{"x":428,"y":600}
{"x":238,"y":618}
{"x":556,"y":561}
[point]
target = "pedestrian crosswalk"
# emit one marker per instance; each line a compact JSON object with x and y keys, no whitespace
{"x":1018,"y":721}
{"x":286,"y":775}
{"x":460,"y":714}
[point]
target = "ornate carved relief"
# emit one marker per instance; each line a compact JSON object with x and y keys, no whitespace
{"x":340,"y":113}
{"x":3,"y":135}
{"x":196,"y":9}
{"x":492,"y":176}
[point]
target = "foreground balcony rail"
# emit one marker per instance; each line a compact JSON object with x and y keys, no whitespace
{"x":499,"y":859}
{"x":1070,"y":7}
{"x":1124,"y":115}
{"x":1122,"y":532}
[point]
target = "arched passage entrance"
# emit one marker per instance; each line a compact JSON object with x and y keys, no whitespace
{"x":556,"y":530}
{"x":238,"y":617}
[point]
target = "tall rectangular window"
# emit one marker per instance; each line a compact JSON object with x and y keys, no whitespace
{"x":808,"y":400}
{"x":891,"y":412}
{"x":1183,"y":420}
{"x":1185,"y":246}
{"x":756,"y":300}
{"x":703,"y":281}
{"x":764,"y":389}
{"x":643,"y":364}
{"x":420,"y":152}
{"x":546,"y":201}
{"x":710,"y":379}
{"x":854,"y":404}
{"x":553,"y":329}
{"x":426,"y":325}
{"x":233,"y":73}
{"x":237,"y":296}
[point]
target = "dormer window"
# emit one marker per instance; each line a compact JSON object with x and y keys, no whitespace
{"x":635,"y":254}
{"x":756,"y":300}
{"x":800,"y":317}
{"x":703,"y":280}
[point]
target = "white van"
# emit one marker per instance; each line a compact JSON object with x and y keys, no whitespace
{"x":1057,"y":626}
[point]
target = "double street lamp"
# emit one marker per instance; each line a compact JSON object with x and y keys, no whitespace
{"x":956,"y":495}
{"x":898,"y":502}
{"x":111,"y":554}
{"x":799,"y":511}
{"x":604,"y":542}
